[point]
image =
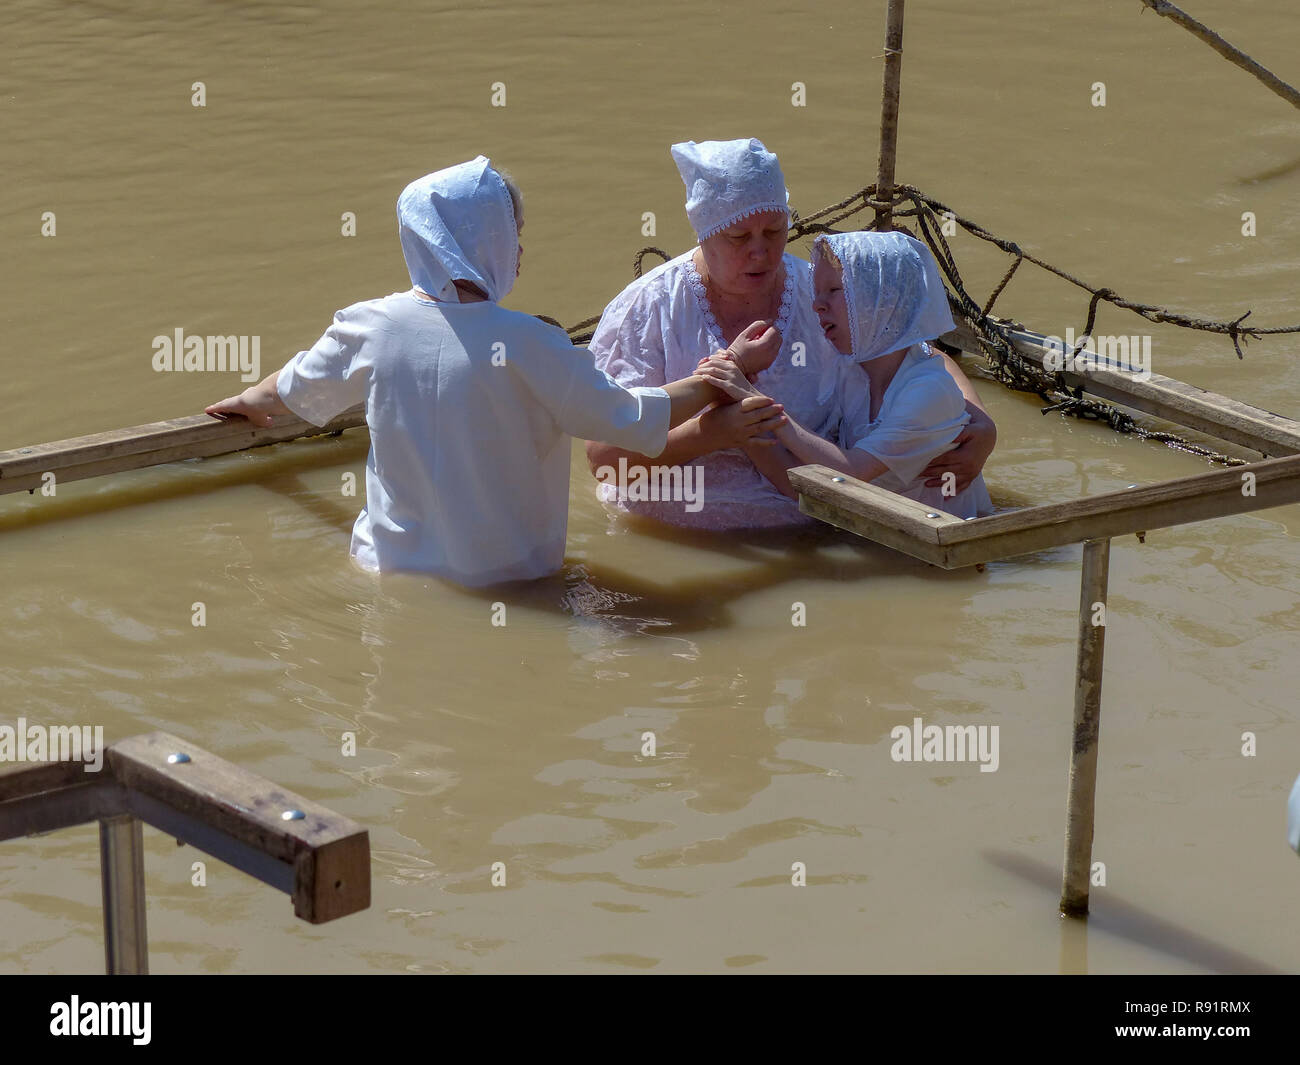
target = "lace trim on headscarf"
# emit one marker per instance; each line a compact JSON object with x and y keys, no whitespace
{"x":727,"y":223}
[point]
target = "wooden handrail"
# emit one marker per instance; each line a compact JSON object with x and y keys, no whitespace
{"x":942,"y":539}
{"x":317,"y":857}
{"x":194,"y":436}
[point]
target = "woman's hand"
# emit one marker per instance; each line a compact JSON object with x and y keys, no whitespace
{"x":756,"y":348}
{"x":746,"y":422}
{"x":966,"y":460}
{"x":725,"y":374}
{"x":258,"y":403}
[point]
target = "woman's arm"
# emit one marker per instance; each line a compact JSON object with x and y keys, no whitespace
{"x":774,"y":462}
{"x":716,"y":429}
{"x":807,"y":447}
{"x":725,"y":426}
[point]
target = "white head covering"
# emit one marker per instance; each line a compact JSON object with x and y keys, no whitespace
{"x":892,"y":291}
{"x":727,"y":180}
{"x":459,"y":223}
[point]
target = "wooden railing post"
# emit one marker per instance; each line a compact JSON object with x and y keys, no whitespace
{"x":946,"y":540}
{"x":889,"y":113}
{"x":1081,"y":799}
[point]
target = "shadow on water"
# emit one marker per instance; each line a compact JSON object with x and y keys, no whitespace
{"x":643,"y":603}
{"x":1282,"y":170}
{"x":1125,"y":920}
{"x":193,"y":477}
{"x":631,"y":601}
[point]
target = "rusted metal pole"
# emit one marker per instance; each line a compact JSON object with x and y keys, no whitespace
{"x":1081,"y":803}
{"x":889,"y":113}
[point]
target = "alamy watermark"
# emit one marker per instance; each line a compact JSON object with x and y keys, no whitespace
{"x":946,"y":743}
{"x":192,"y":354}
{"x":53,"y":743}
{"x":1131,"y":354}
{"x":78,"y":1018}
{"x":652,"y":484}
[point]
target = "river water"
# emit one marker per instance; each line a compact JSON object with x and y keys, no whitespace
{"x":523,"y":743}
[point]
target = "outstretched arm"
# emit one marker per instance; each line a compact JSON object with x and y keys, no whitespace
{"x":806,"y":447}
{"x":728,"y":425}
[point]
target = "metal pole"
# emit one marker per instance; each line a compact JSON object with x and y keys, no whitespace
{"x":1081,"y":803}
{"x":121,"y":869}
{"x":889,"y":112}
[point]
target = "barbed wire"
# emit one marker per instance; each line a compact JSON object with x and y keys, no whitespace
{"x":1007,"y":366}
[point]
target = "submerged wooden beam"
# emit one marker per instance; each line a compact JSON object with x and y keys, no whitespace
{"x":1171,"y":400}
{"x":194,"y":436}
{"x":945,"y":540}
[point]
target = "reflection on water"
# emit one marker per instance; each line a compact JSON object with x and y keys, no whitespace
{"x":649,"y":742}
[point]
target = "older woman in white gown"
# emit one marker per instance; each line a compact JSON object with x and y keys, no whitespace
{"x":659,"y":327}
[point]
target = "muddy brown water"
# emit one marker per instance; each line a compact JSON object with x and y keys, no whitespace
{"x":522,"y":744}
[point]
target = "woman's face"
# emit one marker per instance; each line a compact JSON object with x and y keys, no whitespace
{"x":745,"y":258}
{"x":828,"y":302}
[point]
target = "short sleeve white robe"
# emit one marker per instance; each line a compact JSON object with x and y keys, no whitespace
{"x":920,"y":417}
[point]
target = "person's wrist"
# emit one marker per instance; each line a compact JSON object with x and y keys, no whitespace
{"x":704,"y":436}
{"x":720,"y":396}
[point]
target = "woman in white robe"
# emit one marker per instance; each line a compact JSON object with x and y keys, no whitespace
{"x":660,"y":326}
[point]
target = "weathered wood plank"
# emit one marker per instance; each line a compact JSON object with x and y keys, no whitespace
{"x":87,"y":797}
{"x":194,"y":436}
{"x":20,"y":779}
{"x":328,"y":853}
{"x":866,"y":510}
{"x":1166,"y":398}
{"x":950,"y":542}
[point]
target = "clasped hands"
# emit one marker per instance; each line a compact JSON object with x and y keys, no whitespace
{"x":744,"y":416}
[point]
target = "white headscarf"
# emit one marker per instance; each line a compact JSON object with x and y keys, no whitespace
{"x":727,"y":180}
{"x":459,"y":223}
{"x":892,"y":291}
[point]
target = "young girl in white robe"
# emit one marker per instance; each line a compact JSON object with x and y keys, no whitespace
{"x":878,"y":297}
